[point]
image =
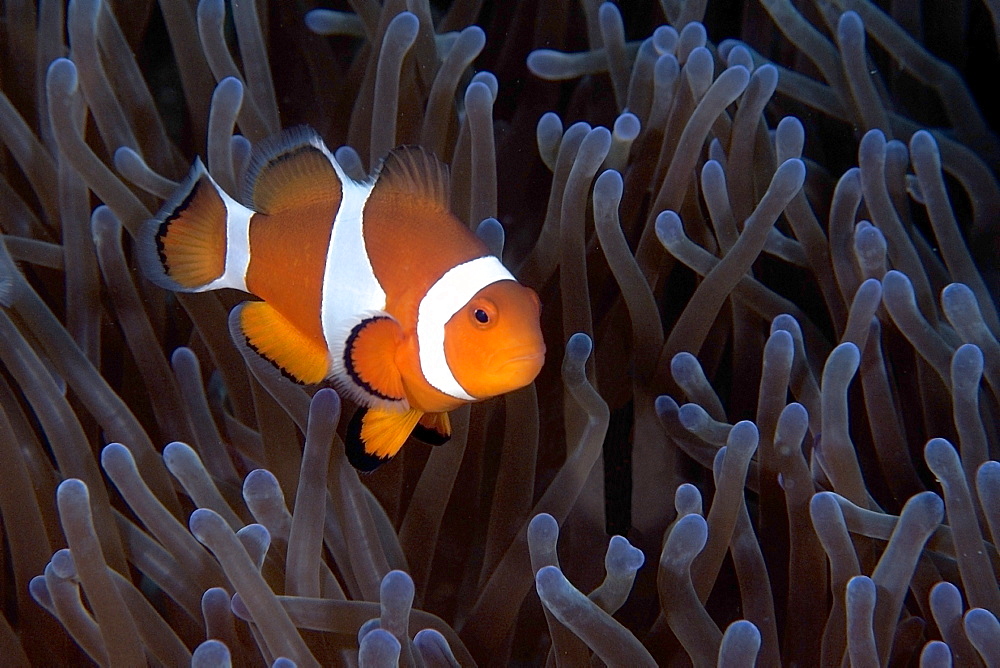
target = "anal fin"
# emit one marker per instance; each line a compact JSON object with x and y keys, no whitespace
{"x":276,"y":339}
{"x":374,"y":435}
{"x":433,"y":429}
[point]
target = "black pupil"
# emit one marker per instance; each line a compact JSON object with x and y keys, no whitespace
{"x":481,"y":316}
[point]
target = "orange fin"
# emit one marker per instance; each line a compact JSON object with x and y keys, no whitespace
{"x":272,"y":336}
{"x":374,"y":435}
{"x":415,"y":172}
{"x":433,"y":428}
{"x":184,"y":247}
{"x":370,"y":360}
{"x":290,"y":170}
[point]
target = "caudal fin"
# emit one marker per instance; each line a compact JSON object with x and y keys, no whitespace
{"x":184,"y":247}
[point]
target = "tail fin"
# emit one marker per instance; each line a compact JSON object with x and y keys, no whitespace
{"x":184,"y":247}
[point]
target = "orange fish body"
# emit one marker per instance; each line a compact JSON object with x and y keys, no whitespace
{"x":375,"y":285}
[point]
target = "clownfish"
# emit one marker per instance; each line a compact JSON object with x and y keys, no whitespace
{"x":372,"y":284}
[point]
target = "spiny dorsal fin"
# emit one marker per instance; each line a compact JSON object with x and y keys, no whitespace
{"x":289,"y":170}
{"x":415,"y":172}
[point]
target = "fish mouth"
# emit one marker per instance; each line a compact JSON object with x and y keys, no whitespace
{"x":534,"y":358}
{"x":508,"y":369}
{"x":522,"y":358}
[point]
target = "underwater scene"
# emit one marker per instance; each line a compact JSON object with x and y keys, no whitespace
{"x":755,"y":242}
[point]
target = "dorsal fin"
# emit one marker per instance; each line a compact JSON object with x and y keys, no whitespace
{"x":415,"y":172}
{"x":289,"y":170}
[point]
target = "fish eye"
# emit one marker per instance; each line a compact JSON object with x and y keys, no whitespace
{"x":483,"y":312}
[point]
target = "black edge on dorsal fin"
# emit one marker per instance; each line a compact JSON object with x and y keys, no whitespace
{"x":354,"y":447}
{"x":264,"y":184}
{"x":416,"y":171}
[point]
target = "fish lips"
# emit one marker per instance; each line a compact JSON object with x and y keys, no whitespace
{"x":522,"y":363}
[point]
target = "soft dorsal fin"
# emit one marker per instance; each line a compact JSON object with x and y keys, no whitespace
{"x":415,"y":172}
{"x":289,"y":170}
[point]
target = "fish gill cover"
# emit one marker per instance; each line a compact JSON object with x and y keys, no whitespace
{"x":765,"y":240}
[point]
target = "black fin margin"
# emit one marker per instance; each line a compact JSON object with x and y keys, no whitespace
{"x":429,"y":436}
{"x":349,"y":361}
{"x":257,"y":362}
{"x":354,"y":447}
{"x":149,"y":241}
{"x":284,"y":372}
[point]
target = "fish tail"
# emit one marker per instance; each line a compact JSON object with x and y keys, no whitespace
{"x":184,"y":248}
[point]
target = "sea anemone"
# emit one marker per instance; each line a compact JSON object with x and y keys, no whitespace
{"x":767,"y":429}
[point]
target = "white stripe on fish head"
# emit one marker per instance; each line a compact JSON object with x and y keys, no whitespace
{"x":444,"y":299}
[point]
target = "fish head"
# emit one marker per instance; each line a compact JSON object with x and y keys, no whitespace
{"x":494,"y":344}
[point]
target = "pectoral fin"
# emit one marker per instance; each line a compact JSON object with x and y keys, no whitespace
{"x":370,"y":361}
{"x":433,"y":429}
{"x":374,"y":436}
